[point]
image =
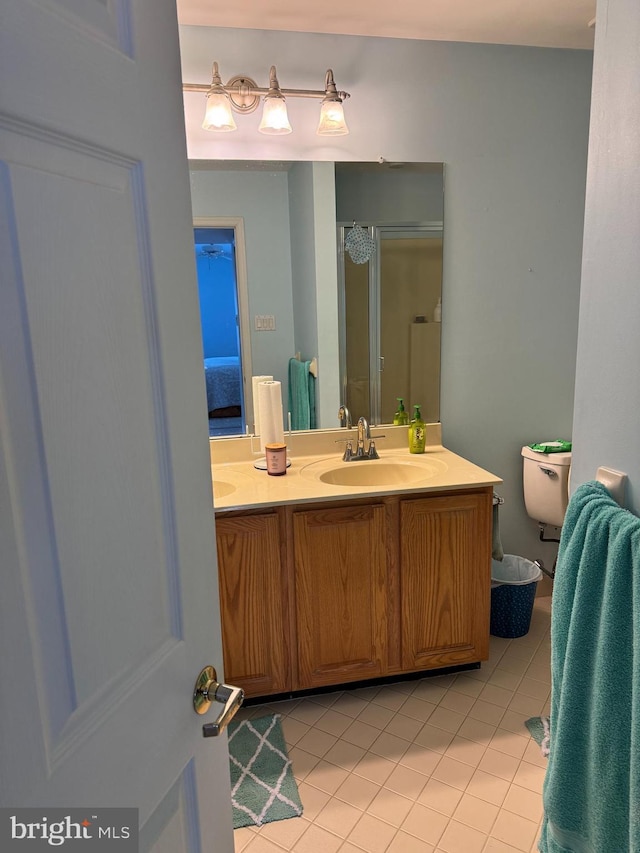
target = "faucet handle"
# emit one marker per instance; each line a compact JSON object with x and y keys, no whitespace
{"x":348,"y":452}
{"x":372,"y":453}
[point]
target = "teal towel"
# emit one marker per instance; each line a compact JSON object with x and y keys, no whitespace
{"x":591,"y":790}
{"x":302,"y":395}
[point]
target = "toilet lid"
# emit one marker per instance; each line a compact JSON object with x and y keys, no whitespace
{"x":559,"y":459}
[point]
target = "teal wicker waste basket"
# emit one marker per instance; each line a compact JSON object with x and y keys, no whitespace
{"x":513,"y":589}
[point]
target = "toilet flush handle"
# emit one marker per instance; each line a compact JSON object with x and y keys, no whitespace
{"x":548,"y":471}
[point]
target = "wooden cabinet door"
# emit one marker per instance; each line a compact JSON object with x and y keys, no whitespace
{"x":445,"y":566}
{"x":253,"y":604}
{"x":340,"y":594}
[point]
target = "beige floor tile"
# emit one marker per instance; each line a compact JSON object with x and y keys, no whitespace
{"x":434,"y":738}
{"x":376,"y":715}
{"x":499,"y":764}
{"x":514,"y":830}
{"x":505,"y":679}
{"x":357,"y":791}
{"x":241,"y":837}
{"x":440,"y":797}
{"x":421,"y":759}
{"x":514,"y":664}
{"x":466,"y":685}
{"x":450,"y":721}
{"x":333,"y":722}
{"x":316,"y":838}
{"x":526,"y":705}
{"x":476,"y":813}
{"x":477,"y":731}
{"x":465,"y":750}
{"x":390,"y":807}
{"x":509,"y":742}
{"x":405,"y":781}
{"x":345,"y":754}
{"x":430,"y":692}
{"x":326,"y":699}
{"x":285,"y":833}
{"x":302,"y":763}
{"x":496,"y":695}
{"x":258,"y":844}
{"x":327,"y":777}
{"x":514,"y":721}
{"x":533,"y":755}
{"x":537,"y":689}
{"x":375,"y":768}
{"x":307,"y":711}
{"x":523,"y":802}
{"x":317,"y":742}
{"x":459,"y":838}
{"x":293,"y":730}
{"x":425,"y":823}
{"x":453,"y":773}
{"x":389,"y":746}
{"x":361,"y":734}
{"x":405,"y":843}
{"x":371,"y":834}
{"x":313,"y":800}
{"x":349,"y":704}
{"x":388,"y":698}
{"x":417,"y":708}
{"x":487,"y":787}
{"x":405,"y":727}
{"x":457,"y":701}
{"x":495,"y":846}
{"x":529,"y":776}
{"x":486,"y":712}
{"x":338,"y":817}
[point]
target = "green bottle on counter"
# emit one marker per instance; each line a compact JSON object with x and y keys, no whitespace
{"x":401,"y":417}
{"x":417,"y":433}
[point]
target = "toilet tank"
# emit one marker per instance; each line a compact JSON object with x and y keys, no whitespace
{"x":546,"y":485}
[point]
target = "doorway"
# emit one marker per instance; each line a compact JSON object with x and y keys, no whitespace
{"x":221,"y":271}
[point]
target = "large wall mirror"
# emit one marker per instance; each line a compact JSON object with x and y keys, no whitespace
{"x":291,"y":281}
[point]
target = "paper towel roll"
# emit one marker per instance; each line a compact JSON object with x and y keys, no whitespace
{"x":255,"y":381}
{"x":271,"y":420}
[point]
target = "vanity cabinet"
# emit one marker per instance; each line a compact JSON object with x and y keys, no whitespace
{"x":331,"y":593}
{"x":445,"y":571}
{"x":340,"y":577}
{"x":253,"y":585}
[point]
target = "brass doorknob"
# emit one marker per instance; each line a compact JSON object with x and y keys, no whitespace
{"x":208,"y":690}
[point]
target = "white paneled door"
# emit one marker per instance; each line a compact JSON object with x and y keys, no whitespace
{"x":108,"y":579}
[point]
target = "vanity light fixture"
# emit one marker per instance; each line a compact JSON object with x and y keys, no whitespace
{"x":242,"y":95}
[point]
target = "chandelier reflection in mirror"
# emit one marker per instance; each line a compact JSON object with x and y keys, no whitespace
{"x":242,"y":95}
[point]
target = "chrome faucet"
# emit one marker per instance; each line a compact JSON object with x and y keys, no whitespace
{"x":344,"y":417}
{"x":365,"y":433}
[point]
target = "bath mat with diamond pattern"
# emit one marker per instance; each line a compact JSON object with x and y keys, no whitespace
{"x":263,"y":788}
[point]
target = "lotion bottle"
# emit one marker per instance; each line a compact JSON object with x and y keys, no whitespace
{"x":437,"y":312}
{"x":417,"y":433}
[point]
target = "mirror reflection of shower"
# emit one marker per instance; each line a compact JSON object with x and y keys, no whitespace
{"x":218,"y":293}
{"x":389,"y":341}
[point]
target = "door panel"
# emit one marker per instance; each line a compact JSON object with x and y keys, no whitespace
{"x":110,"y":604}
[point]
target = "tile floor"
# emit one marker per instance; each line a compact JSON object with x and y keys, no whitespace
{"x":439,"y":765}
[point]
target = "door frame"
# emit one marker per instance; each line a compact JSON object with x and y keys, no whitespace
{"x":242,"y":290}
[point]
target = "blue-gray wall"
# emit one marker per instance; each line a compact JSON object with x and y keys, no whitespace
{"x":511,"y":125}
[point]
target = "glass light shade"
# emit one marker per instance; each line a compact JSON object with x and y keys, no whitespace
{"x":218,"y":115}
{"x":274,"y":117}
{"x":332,"y":121}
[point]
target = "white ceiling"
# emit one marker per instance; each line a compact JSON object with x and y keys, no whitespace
{"x":543,"y":23}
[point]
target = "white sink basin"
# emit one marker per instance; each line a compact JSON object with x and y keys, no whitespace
{"x":375,"y":472}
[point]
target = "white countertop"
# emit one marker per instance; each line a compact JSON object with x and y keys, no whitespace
{"x":239,"y":485}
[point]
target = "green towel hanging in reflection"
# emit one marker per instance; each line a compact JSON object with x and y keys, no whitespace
{"x":302,"y":395}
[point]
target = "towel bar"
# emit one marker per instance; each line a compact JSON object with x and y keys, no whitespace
{"x":614,"y":481}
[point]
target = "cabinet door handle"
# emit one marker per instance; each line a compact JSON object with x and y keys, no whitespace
{"x":208,"y":690}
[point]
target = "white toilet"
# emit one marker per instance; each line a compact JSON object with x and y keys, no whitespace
{"x":545,"y":480}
